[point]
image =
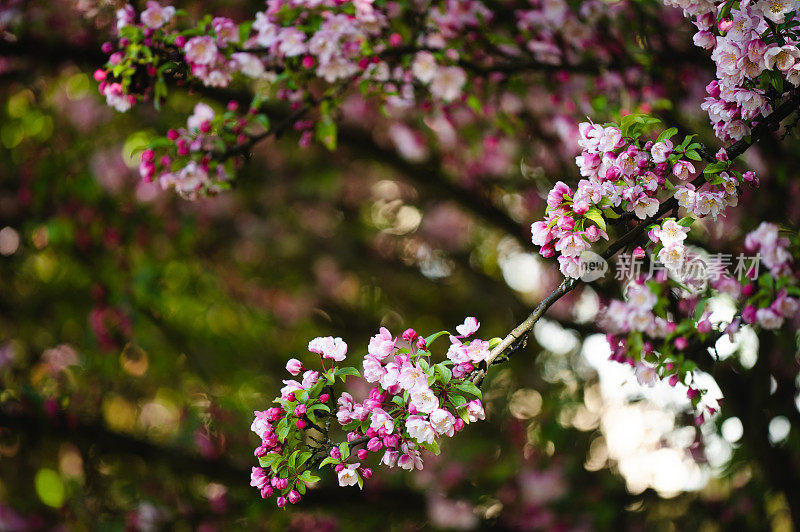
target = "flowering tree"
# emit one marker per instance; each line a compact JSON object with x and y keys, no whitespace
{"x":453,"y":94}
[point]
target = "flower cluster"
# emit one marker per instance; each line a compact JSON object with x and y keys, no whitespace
{"x":624,"y":173}
{"x":660,"y":328}
{"x":754,"y":47}
{"x":413,"y":402}
{"x":192,"y":160}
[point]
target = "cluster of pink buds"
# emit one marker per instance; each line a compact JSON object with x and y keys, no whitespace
{"x":414,"y":401}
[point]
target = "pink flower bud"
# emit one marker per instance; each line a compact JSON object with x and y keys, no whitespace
{"x":422,"y":344}
{"x":172,"y":134}
{"x":681,"y":343}
{"x":281,"y":502}
{"x":673,"y":380}
{"x":391,"y":441}
{"x":107,"y":48}
{"x":180,"y":41}
{"x":374,"y":445}
{"x":412,"y":409}
{"x":459,"y":424}
{"x":300,"y":410}
{"x":593,"y":233}
{"x":749,"y":313}
{"x":638,"y":253}
{"x":580,"y":207}
{"x":294,"y":497}
{"x":266,"y":492}
{"x":205,"y":126}
{"x":366,"y":472}
{"x":308,"y":61}
{"x":300,"y":424}
{"x":362,"y":454}
{"x":409,"y":335}
{"x":691,"y":393}
{"x":233,"y":106}
{"x":704,"y":327}
{"x":395,"y":39}
{"x":324,"y":398}
{"x":338,"y":467}
{"x":335,"y":453}
{"x":99,"y":75}
{"x":294,"y":366}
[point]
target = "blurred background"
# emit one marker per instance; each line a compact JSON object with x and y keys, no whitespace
{"x":139,"y":331}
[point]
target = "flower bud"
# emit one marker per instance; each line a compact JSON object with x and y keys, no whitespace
{"x":422,"y":344}
{"x":324,"y":398}
{"x":681,"y":343}
{"x":362,"y":454}
{"x":294,"y":497}
{"x":300,"y":410}
{"x":281,"y":502}
{"x":294,"y":366}
{"x":410,"y":335}
{"x":300,"y":424}
{"x":374,"y":445}
{"x":335,"y":453}
{"x":366,"y":472}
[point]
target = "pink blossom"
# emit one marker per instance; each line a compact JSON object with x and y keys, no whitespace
{"x":373,"y":369}
{"x":348,"y":476}
{"x":294,"y":366}
{"x":420,"y":429}
{"x":412,"y":378}
{"x":442,"y":421}
{"x":469,"y":327}
{"x":382,"y":344}
{"x":329,"y":347}
{"x":156,"y":16}
{"x":475,"y":411}
{"x":201,"y":50}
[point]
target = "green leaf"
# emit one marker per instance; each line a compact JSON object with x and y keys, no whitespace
{"x":344,"y":448}
{"x":686,"y":221}
{"x":319,"y":406}
{"x":698,"y":310}
{"x":469,"y":387}
{"x":159,"y":142}
{"x":668,"y":133}
{"x":445,"y":372}
{"x":293,"y":459}
{"x":475,"y":104}
{"x":596,"y":216}
{"x":432,"y":447}
{"x":691,"y":154}
{"x":457,"y":400}
{"x":430,"y":339}
{"x":348,"y":370}
{"x":326,"y":133}
{"x":328,"y":460}
{"x":263,"y":120}
{"x":713,"y":168}
{"x":244,"y":30}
